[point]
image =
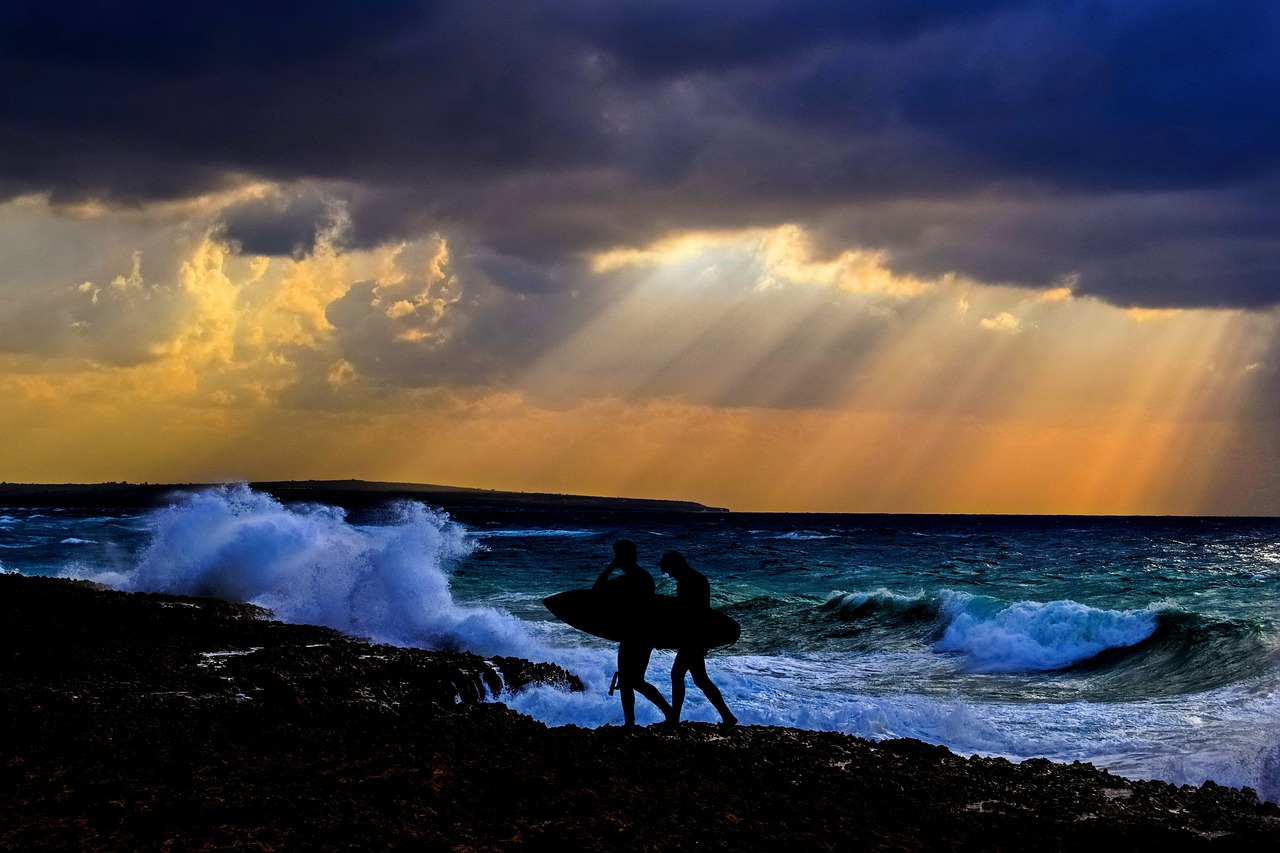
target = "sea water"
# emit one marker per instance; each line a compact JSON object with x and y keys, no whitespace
{"x":1148,"y":646}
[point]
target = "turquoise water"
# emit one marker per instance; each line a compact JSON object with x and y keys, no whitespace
{"x":1147,"y":646}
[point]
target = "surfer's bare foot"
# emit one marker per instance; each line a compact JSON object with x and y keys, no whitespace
{"x":729,"y":722}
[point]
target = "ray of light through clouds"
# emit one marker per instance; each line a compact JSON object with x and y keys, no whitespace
{"x":995,"y":255}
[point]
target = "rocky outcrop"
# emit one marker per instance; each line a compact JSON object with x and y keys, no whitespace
{"x":113,"y":644}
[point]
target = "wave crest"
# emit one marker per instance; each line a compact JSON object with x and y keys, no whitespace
{"x":1037,"y":636}
{"x":881,"y":602}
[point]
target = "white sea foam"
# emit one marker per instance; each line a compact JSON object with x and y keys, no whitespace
{"x":308,"y":564}
{"x":793,"y":535}
{"x":535,"y":532}
{"x":71,"y":540}
{"x":1037,"y":636}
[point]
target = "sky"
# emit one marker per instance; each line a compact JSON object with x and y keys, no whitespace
{"x":1015,"y":256}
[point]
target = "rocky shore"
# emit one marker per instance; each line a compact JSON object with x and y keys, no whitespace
{"x":149,"y":721}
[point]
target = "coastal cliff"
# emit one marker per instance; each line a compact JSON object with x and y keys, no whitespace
{"x":141,"y":721}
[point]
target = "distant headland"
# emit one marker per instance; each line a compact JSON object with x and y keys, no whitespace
{"x":350,"y":494}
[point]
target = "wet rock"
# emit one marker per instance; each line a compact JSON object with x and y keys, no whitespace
{"x":518,"y":673}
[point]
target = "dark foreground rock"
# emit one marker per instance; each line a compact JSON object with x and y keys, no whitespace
{"x":141,"y":722}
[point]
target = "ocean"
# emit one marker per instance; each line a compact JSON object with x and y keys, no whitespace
{"x":1146,"y":646}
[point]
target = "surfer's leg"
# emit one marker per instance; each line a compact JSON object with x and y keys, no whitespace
{"x":652,"y":693}
{"x":626,"y":690}
{"x":628,"y":707}
{"x":633,"y":660}
{"x":678,"y":671}
{"x":649,"y":690}
{"x":698,"y":666}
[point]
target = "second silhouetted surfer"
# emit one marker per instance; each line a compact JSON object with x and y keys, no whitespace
{"x":694,"y":592}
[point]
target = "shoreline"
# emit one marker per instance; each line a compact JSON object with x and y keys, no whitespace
{"x":139,"y":719}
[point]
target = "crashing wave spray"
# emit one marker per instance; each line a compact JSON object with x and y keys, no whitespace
{"x":307,"y":564}
{"x":1036,"y":636}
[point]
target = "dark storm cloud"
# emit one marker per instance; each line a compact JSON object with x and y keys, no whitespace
{"x":671,"y":37}
{"x":284,"y":224}
{"x":380,"y":92}
{"x":1211,"y":248}
{"x":1107,"y":96}
{"x":1015,"y":140}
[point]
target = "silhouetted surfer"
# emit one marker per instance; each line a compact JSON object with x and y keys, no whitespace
{"x":636,"y":585}
{"x":694,"y":592}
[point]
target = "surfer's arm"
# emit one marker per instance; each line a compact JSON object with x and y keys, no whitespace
{"x":604,"y":576}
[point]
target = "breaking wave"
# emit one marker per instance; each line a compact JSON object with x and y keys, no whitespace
{"x":1037,"y":636}
{"x":1156,"y":650}
{"x":307,"y":564}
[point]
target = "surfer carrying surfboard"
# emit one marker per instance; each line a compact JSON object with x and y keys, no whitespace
{"x":634,"y":586}
{"x":694,"y":594}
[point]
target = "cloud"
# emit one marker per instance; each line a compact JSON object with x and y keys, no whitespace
{"x":1128,"y":143}
{"x":1002,"y":322}
{"x":776,"y":257}
{"x":83,"y":288}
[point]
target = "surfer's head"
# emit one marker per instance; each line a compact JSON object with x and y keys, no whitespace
{"x":625,"y":553}
{"x":673,"y":563}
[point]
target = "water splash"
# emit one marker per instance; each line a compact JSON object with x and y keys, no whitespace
{"x":307,"y":564}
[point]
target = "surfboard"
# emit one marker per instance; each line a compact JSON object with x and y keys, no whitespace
{"x":664,"y":622}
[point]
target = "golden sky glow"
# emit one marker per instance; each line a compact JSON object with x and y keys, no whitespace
{"x":739,"y":369}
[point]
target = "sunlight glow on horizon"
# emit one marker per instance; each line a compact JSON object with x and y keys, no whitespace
{"x":732,"y":368}
{"x":1046,"y":403}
